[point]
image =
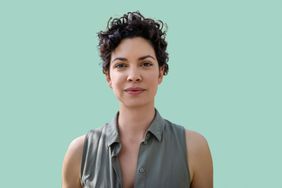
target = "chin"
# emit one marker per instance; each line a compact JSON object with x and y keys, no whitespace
{"x":135,"y":103}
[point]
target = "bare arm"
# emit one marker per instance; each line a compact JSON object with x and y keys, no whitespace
{"x":72,"y":163}
{"x":199,"y":160}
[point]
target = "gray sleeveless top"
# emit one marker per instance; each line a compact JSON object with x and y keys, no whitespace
{"x":162,"y":159}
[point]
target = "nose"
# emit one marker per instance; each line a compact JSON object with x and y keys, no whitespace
{"x":134,"y":75}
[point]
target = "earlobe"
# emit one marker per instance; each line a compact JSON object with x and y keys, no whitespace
{"x":161,"y":75}
{"x":160,"y":80}
{"x":109,"y":83}
{"x":108,"y":78}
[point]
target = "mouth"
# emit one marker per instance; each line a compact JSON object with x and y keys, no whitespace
{"x":134,"y":90}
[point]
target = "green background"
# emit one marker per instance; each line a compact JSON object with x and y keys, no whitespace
{"x":224,"y":82}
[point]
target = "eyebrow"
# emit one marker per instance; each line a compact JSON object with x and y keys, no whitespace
{"x":140,"y":58}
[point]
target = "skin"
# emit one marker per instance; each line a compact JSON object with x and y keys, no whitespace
{"x":134,"y":64}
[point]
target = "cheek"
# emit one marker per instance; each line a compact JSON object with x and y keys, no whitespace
{"x":116,"y":80}
{"x":154,"y":80}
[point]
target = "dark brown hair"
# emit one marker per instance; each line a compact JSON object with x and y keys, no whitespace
{"x":133,"y":24}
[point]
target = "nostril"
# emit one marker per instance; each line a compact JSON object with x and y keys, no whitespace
{"x":134,"y":79}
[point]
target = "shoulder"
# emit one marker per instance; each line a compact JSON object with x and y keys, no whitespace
{"x":199,"y":159}
{"x":196,"y":142}
{"x":72,"y":163}
{"x":75,"y":148}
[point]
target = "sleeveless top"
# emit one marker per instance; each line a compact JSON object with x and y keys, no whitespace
{"x":162,"y":159}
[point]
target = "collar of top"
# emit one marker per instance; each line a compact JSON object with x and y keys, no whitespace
{"x":156,"y":128}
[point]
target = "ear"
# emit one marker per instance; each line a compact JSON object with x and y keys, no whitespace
{"x":161,"y":74}
{"x":108,"y":78}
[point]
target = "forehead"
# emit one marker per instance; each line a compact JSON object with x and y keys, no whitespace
{"x":133,"y":48}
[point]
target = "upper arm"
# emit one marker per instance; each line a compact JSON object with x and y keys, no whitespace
{"x":199,"y":160}
{"x":72,"y":163}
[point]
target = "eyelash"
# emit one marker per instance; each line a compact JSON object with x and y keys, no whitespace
{"x":120,"y":65}
{"x":145,"y":64}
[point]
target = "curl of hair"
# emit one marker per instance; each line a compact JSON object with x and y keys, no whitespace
{"x":133,"y":24}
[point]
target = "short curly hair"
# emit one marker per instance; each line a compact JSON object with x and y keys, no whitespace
{"x":133,"y":24}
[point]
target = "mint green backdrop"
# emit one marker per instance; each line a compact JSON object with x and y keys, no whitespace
{"x":224,"y":82}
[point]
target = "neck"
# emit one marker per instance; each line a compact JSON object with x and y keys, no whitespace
{"x":133,"y":122}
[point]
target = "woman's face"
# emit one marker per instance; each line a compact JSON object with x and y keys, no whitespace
{"x":134,"y":73}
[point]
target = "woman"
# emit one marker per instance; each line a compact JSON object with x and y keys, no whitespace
{"x":138,"y":148}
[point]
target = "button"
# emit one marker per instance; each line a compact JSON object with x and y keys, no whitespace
{"x":147,"y":136}
{"x":141,"y":170}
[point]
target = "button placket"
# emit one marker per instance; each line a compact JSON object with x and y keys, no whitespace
{"x":141,"y":170}
{"x":141,"y":167}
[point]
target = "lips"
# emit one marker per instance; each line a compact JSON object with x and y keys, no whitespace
{"x":134,"y":90}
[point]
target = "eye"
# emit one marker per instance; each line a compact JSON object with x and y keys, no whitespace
{"x":120,"y":65}
{"x":147,"y":64}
